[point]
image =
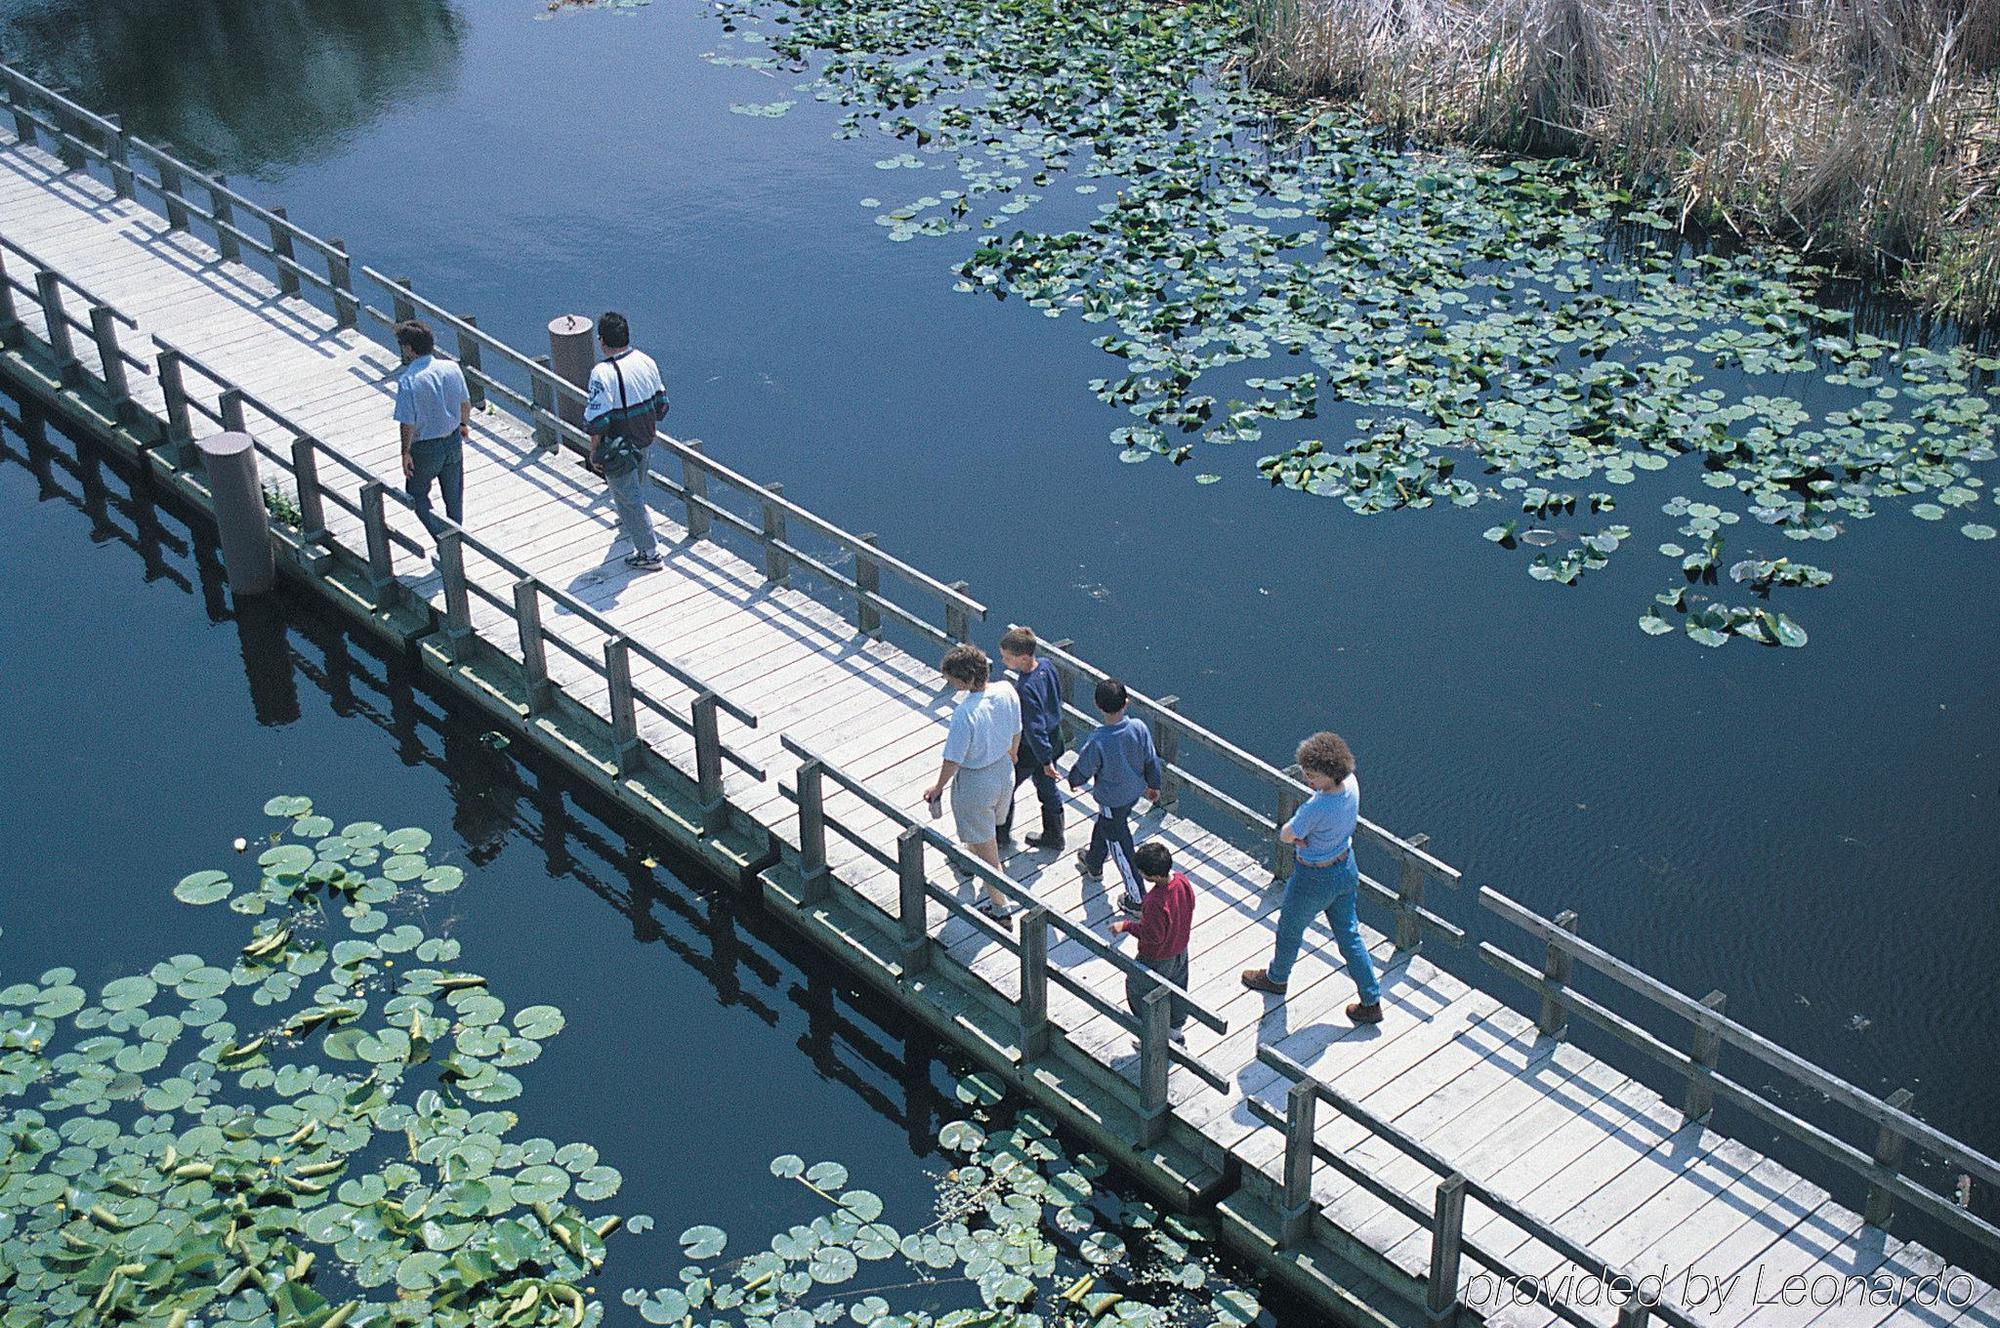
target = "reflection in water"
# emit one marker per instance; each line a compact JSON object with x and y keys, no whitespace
{"x":749,"y":961}
{"x":239,"y":85}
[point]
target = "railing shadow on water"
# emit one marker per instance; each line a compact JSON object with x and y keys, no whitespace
{"x":1238,"y":793}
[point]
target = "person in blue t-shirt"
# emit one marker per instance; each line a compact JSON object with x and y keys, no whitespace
{"x":434,"y":418}
{"x":1041,"y":734}
{"x":1119,"y":762}
{"x":1325,"y":879}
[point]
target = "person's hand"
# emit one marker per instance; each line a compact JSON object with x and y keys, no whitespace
{"x":933,"y":793}
{"x":1152,"y":795}
{"x":409,"y":465}
{"x":1050,"y":770}
{"x":1120,"y":927}
{"x":591,"y":462}
{"x":465,"y":431}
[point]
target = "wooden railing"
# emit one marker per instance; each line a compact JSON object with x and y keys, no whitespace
{"x":916,"y":892}
{"x":1445,"y":1218}
{"x":1709,"y":1031}
{"x":191,"y":391}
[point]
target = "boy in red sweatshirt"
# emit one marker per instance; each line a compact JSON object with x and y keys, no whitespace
{"x":1161,"y":929}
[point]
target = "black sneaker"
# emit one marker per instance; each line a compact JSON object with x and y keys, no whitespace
{"x":1045,"y":841}
{"x":644,"y":562}
{"x":1083,"y":865}
{"x":1130,"y":903}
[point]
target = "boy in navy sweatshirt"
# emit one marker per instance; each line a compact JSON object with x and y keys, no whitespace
{"x":1041,"y":734}
{"x":1119,"y":757}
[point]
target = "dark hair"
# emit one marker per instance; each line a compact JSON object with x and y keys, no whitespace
{"x":1112,"y":696}
{"x":967,"y":664}
{"x":1018,"y":641}
{"x":1154,"y":860}
{"x":415,"y":336}
{"x":614,"y":331}
{"x":1326,"y":754}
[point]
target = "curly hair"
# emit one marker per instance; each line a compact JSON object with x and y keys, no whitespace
{"x":1326,"y":754}
{"x":967,"y":664}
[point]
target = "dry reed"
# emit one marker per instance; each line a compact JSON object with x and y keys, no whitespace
{"x":1868,"y":131}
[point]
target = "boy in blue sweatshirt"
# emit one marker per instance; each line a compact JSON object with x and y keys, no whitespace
{"x":1041,"y":734}
{"x":1119,"y":757}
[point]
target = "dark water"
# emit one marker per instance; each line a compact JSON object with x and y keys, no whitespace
{"x":733,"y":1041}
{"x":1809,"y":831}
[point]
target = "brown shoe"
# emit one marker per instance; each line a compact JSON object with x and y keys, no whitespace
{"x":1258,"y":979}
{"x":1365,"y":1014}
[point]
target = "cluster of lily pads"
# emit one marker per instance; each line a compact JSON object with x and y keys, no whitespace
{"x":1022,"y":1238}
{"x":304,"y":1134}
{"x":1487,"y":327}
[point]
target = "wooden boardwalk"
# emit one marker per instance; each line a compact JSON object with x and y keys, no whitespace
{"x":1561,"y":1138}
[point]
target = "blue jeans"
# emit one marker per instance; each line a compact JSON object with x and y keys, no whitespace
{"x":1332,"y":891}
{"x":443,"y":460}
{"x":1113,"y":825}
{"x":628,"y":498}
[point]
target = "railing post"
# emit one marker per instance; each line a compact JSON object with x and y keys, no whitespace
{"x":104,"y":331}
{"x":1555,"y":976}
{"x":1295,"y":1207}
{"x":170,"y":192}
{"x":1410,"y":899}
{"x":1154,"y":1010}
{"x":1635,"y":1312}
{"x":1282,"y":857}
{"x":457,"y":598}
{"x":777,"y":567}
{"x":1032,"y":1012}
{"x":867,"y":581}
{"x":468,"y":362}
{"x":624,"y":709}
{"x":1701,"y":1074}
{"x":230,"y":407}
{"x":381,"y":557}
{"x":708,"y":765}
{"x":340,"y":276}
{"x":956,"y":625}
{"x":312,"y":506}
{"x":283,"y":254}
{"x":179,"y":428}
{"x":224,"y":211}
{"x":1447,"y":1245}
{"x":48,"y":289}
{"x":68,"y":143}
{"x":118,"y":153}
{"x":815,"y":881}
{"x":24,"y":123}
{"x":694,"y":483}
{"x":10,"y":316}
{"x":1167,"y":744}
{"x":543,"y":395}
{"x":534,"y":654}
{"x":399,"y":300}
{"x":1889,"y":1143}
{"x":913,"y":901}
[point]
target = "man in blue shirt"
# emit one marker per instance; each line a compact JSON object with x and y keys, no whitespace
{"x":1041,"y":734}
{"x":434,"y":415}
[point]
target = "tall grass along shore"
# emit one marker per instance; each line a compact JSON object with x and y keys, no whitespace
{"x":1867,"y":131}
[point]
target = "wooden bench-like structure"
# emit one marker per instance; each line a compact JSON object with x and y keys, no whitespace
{"x":756,"y":701}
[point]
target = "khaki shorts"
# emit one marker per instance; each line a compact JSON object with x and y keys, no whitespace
{"x":980,"y":801}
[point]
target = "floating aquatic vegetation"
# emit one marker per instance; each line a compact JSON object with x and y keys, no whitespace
{"x":306,"y":1133}
{"x":1022,"y":1235}
{"x":1504,"y":325}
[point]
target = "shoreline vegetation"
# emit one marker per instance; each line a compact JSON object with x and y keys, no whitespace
{"x":1867,"y":132}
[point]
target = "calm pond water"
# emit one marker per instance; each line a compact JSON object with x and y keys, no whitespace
{"x":1810,"y":831}
{"x":734,"y":1042}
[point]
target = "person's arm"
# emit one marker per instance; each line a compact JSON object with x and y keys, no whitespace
{"x":1087,"y":760}
{"x":596,"y":406}
{"x":947,"y":771}
{"x":1152,"y":772}
{"x":405,"y":416}
{"x":1298,"y":827}
{"x":1151,"y":928}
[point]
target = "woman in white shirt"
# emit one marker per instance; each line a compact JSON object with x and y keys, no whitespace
{"x":979,"y":751}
